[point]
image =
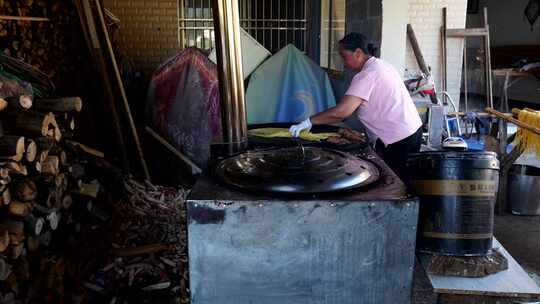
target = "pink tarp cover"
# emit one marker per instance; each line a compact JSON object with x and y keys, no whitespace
{"x":183,"y":103}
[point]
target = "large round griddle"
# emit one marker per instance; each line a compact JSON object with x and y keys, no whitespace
{"x":296,"y":170}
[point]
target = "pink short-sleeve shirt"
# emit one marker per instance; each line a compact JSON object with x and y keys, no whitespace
{"x":388,"y":110}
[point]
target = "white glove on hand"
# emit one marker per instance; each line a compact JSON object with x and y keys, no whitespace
{"x":296,"y":129}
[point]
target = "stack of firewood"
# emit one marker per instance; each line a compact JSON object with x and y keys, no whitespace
{"x":37,"y":178}
{"x":46,"y":45}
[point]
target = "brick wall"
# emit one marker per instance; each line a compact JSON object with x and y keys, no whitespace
{"x":426,"y":19}
{"x":148,"y":30}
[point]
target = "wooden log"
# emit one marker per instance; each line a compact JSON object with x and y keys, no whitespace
{"x":3,"y":104}
{"x":85,"y":149}
{"x":43,"y":156}
{"x":4,"y":182}
{"x":19,"y":103}
{"x":12,"y":148}
{"x":57,"y":135}
{"x":34,"y":225}
{"x":120,"y":85}
{"x":32,"y":243}
{"x":54,"y":131}
{"x":53,"y":200}
{"x":50,"y":165}
{"x":4,"y":239}
{"x":89,"y":189}
{"x":5,"y":196}
{"x":66,"y":104}
{"x":37,"y":166}
{"x":16,"y":168}
{"x":14,"y":251}
{"x":4,"y":173}
{"x":45,"y":238}
{"x":32,"y":123}
{"x":63,"y":158}
{"x":419,"y":57}
{"x":24,"y":18}
{"x":53,"y":219}
{"x":42,"y":210}
{"x":30,"y":151}
{"x":45,"y":143}
{"x":72,"y":123}
{"x":24,"y":190}
{"x":59,"y":181}
{"x":15,"y":229}
{"x":67,"y":201}
{"x":19,"y":209}
{"x":141,"y":250}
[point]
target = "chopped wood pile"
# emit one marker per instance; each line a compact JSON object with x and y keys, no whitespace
{"x":47,"y":45}
{"x":148,"y":259}
{"x":55,"y":222}
{"x":39,"y":179}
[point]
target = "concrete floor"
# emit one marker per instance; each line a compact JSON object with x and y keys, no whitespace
{"x":520,"y":235}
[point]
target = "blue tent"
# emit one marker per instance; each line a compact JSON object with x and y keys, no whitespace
{"x":288,"y":87}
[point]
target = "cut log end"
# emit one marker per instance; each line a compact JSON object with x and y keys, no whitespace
{"x":3,"y":104}
{"x":4,"y":240}
{"x":25,"y":101}
{"x":12,"y":148}
{"x":31,"y":150}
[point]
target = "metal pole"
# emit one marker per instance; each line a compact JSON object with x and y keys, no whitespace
{"x":279,"y":25}
{"x":330,"y":29}
{"x":465,"y":74}
{"x":286,"y":27}
{"x":294,"y":17}
{"x":231,"y":81}
{"x":181,"y":24}
{"x":487,"y":47}
{"x":271,"y":26}
{"x":264,"y":23}
{"x":304,"y":34}
{"x":443,"y":50}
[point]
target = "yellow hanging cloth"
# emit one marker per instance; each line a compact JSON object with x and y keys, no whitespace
{"x":525,"y":139}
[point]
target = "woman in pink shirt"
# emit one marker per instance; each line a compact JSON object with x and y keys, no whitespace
{"x":381,"y":101}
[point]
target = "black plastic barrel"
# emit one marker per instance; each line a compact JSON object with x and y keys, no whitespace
{"x":457,"y":192}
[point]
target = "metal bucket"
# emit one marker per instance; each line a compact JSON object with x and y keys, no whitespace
{"x":524,"y":190}
{"x":457,"y":193}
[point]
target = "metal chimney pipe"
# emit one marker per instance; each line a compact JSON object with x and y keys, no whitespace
{"x":231,"y":80}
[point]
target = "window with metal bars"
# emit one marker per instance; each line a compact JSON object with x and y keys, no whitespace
{"x":274,"y":23}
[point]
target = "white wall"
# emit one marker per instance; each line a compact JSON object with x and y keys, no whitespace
{"x":394,"y":29}
{"x":426,"y":18}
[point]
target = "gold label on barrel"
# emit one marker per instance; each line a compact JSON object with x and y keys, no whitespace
{"x":456,"y":187}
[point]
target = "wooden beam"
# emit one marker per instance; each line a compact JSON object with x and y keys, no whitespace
{"x":419,"y":57}
{"x":87,"y":21}
{"x":514,"y":121}
{"x":470,"y":32}
{"x":120,"y":84}
{"x":194,"y":168}
{"x":24,"y":18}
